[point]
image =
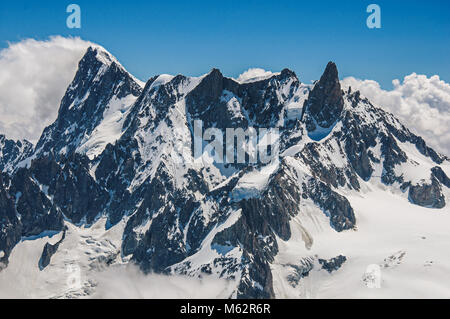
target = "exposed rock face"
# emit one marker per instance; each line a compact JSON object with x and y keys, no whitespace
{"x":333,"y":264}
{"x":300,"y":271}
{"x":441,"y":176}
{"x":261,"y":220}
{"x":10,"y":225}
{"x":427,"y":195}
{"x":52,"y":189}
{"x":38,"y":214}
{"x":183,"y":217}
{"x":225,"y":103}
{"x":342,"y":216}
{"x":49,"y":251}
{"x":325,"y":103}
{"x":13,"y":152}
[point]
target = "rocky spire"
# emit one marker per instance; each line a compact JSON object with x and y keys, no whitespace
{"x":325,"y":102}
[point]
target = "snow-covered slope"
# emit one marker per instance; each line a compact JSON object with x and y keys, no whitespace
{"x":115,"y":181}
{"x":93,"y":108}
{"x":406,"y":243}
{"x":13,"y":152}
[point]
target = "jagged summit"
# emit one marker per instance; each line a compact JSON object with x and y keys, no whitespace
{"x":330,"y":74}
{"x":211,"y":86}
{"x":287,"y":73}
{"x":325,"y":102}
{"x":101,"y":88}
{"x":102,"y":54}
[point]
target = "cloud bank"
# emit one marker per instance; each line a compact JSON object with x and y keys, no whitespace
{"x":127,"y":282}
{"x":117,"y":282}
{"x":253,"y":75}
{"x":419,"y":102}
{"x":33,"y":79}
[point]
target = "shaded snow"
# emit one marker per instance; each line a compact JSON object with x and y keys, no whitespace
{"x":418,"y":167}
{"x":110,"y":128}
{"x":252,"y":184}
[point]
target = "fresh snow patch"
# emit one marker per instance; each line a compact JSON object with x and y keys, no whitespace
{"x":294,"y":110}
{"x":252,"y":184}
{"x":110,"y":129}
{"x":206,"y":254}
{"x":418,"y":167}
{"x":233,"y":103}
{"x":161,"y":80}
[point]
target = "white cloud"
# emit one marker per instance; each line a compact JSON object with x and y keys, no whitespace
{"x":33,"y":78}
{"x":116,"y":282}
{"x":127,"y":282}
{"x":421,"y":103}
{"x":255,"y":74}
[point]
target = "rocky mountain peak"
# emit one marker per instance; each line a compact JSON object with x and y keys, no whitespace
{"x":325,"y":102}
{"x":100,"y":84}
{"x":211,"y":86}
{"x":287,"y":73}
{"x":98,"y":54}
{"x":331,"y":74}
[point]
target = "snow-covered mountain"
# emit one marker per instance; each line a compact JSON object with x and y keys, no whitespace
{"x":114,"y":181}
{"x":92,"y":109}
{"x":13,"y":152}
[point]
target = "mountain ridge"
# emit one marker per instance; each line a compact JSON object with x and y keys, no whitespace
{"x":122,"y":152}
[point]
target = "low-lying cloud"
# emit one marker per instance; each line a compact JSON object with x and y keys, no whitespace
{"x":117,"y":282}
{"x":33,"y":78}
{"x":127,"y":282}
{"x":421,"y":103}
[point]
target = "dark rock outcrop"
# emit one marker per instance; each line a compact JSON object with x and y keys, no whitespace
{"x":333,"y":264}
{"x":10,"y":225}
{"x":13,"y":152}
{"x":441,"y":176}
{"x":337,"y":207}
{"x":427,"y":195}
{"x":325,"y":103}
{"x":49,"y":251}
{"x":300,"y":271}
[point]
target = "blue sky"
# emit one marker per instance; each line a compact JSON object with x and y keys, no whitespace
{"x":191,"y":37}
